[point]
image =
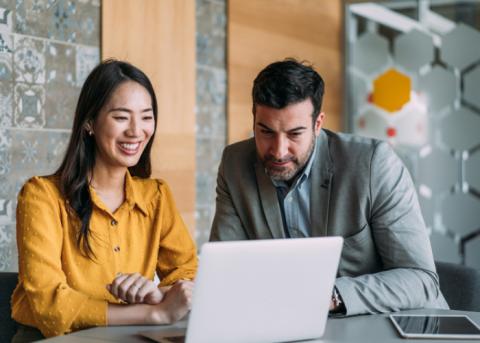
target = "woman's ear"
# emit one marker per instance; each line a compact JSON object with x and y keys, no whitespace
{"x":88,"y":128}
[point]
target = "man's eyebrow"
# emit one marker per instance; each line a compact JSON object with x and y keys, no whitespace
{"x":265,"y":126}
{"x":298,"y":128}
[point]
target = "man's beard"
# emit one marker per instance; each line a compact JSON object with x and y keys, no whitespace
{"x":287,"y":173}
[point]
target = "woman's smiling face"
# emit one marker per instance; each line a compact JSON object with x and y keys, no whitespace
{"x":124,"y":126}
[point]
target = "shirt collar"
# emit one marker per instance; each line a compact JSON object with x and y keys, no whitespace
{"x":132,"y":196}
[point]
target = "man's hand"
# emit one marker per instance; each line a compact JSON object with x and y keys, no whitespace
{"x":135,"y":289}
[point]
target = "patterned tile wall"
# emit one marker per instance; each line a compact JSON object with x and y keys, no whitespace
{"x":210,"y":108}
{"x":47,"y":48}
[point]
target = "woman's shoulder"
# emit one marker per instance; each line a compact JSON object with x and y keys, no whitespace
{"x":149,"y":188}
{"x":48,"y":182}
{"x":40,"y":187}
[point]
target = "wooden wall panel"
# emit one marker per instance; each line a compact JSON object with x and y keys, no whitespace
{"x":158,"y":36}
{"x":260,"y":32}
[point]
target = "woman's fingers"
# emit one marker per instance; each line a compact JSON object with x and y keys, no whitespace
{"x":135,"y":289}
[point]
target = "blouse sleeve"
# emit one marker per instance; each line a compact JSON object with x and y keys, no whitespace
{"x":55,"y":306}
{"x":177,"y":256}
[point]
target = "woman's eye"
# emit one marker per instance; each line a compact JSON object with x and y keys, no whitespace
{"x":148,"y":118}
{"x":120,"y":118}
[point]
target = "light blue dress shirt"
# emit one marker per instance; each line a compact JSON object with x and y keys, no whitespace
{"x":294,"y":201}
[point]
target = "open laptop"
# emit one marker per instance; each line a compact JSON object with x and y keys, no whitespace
{"x":261,"y":291}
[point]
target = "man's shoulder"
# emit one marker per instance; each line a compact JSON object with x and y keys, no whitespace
{"x":240,"y":151}
{"x":351,"y":142}
{"x":352,"y":152}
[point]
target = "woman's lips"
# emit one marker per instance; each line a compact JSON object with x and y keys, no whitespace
{"x":129,"y":148}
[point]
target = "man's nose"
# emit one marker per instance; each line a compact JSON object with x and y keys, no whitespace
{"x":280,"y":148}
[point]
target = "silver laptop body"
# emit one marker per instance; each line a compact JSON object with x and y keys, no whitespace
{"x":262,"y":291}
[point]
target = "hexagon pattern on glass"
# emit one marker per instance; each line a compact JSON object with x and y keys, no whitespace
{"x":446,"y":170}
{"x":440,"y":89}
{"x":411,"y":123}
{"x":414,"y":50}
{"x":372,"y":124}
{"x":370,"y":53}
{"x":461,"y":47}
{"x":461,"y":129}
{"x":472,"y":171}
{"x":461,"y":205}
{"x":391,"y":90}
{"x":471,"y":90}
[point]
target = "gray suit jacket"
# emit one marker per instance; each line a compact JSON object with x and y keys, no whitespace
{"x":361,"y":191}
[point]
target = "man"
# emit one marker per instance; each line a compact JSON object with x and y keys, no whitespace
{"x":295,"y":179}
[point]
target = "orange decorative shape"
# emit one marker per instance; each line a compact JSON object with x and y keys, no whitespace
{"x":391,"y":90}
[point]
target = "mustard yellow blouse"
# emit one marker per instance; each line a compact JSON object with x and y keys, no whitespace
{"x":61,"y":290}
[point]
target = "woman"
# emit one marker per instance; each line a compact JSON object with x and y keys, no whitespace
{"x":91,"y":236}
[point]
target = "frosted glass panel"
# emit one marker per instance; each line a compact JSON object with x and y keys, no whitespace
{"x":414,"y":82}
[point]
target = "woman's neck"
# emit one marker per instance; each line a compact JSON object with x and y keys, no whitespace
{"x":109,"y":184}
{"x":108,"y":179}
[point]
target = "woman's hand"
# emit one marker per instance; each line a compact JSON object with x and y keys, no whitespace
{"x":175,"y":305}
{"x":135,"y":289}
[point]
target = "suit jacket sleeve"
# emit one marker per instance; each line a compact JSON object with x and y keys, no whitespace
{"x":408,"y":279}
{"x":226,"y":225}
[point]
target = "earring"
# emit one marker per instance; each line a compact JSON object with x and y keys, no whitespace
{"x":90,"y":132}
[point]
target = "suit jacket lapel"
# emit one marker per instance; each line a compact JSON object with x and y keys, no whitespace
{"x":269,"y":200}
{"x":322,"y":178}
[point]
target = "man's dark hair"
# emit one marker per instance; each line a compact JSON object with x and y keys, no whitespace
{"x":288,"y":82}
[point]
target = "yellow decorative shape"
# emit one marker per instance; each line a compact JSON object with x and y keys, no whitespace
{"x":391,"y":90}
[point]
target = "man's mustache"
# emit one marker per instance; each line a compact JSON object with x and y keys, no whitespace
{"x":270,"y":158}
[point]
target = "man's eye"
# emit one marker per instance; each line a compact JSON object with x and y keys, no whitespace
{"x":295,"y":134}
{"x":265,"y":132}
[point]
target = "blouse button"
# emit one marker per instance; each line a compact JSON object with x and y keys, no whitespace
{"x":116,"y":249}
{"x":113,"y":222}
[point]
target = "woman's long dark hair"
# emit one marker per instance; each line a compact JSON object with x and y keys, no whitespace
{"x":79,"y":158}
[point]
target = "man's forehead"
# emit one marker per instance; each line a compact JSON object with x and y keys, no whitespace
{"x":285,"y":119}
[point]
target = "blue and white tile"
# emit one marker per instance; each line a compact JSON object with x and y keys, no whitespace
{"x":5,"y":153}
{"x":61,"y":92}
{"x":60,"y":63}
{"x":6,"y":104}
{"x":6,"y":15}
{"x":31,"y":17}
{"x":63,"y":24}
{"x":36,"y":152}
{"x":6,"y":211}
{"x":88,"y":18}
{"x":57,"y":145}
{"x":29,"y":57}
{"x":6,"y":68}
{"x":29,"y":109}
{"x":87,"y":58}
{"x":8,"y":251}
{"x":8,"y":4}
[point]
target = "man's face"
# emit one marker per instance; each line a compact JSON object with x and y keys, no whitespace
{"x":285,"y":137}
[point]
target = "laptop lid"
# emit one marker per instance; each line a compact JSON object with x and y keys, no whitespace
{"x":263,"y":290}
